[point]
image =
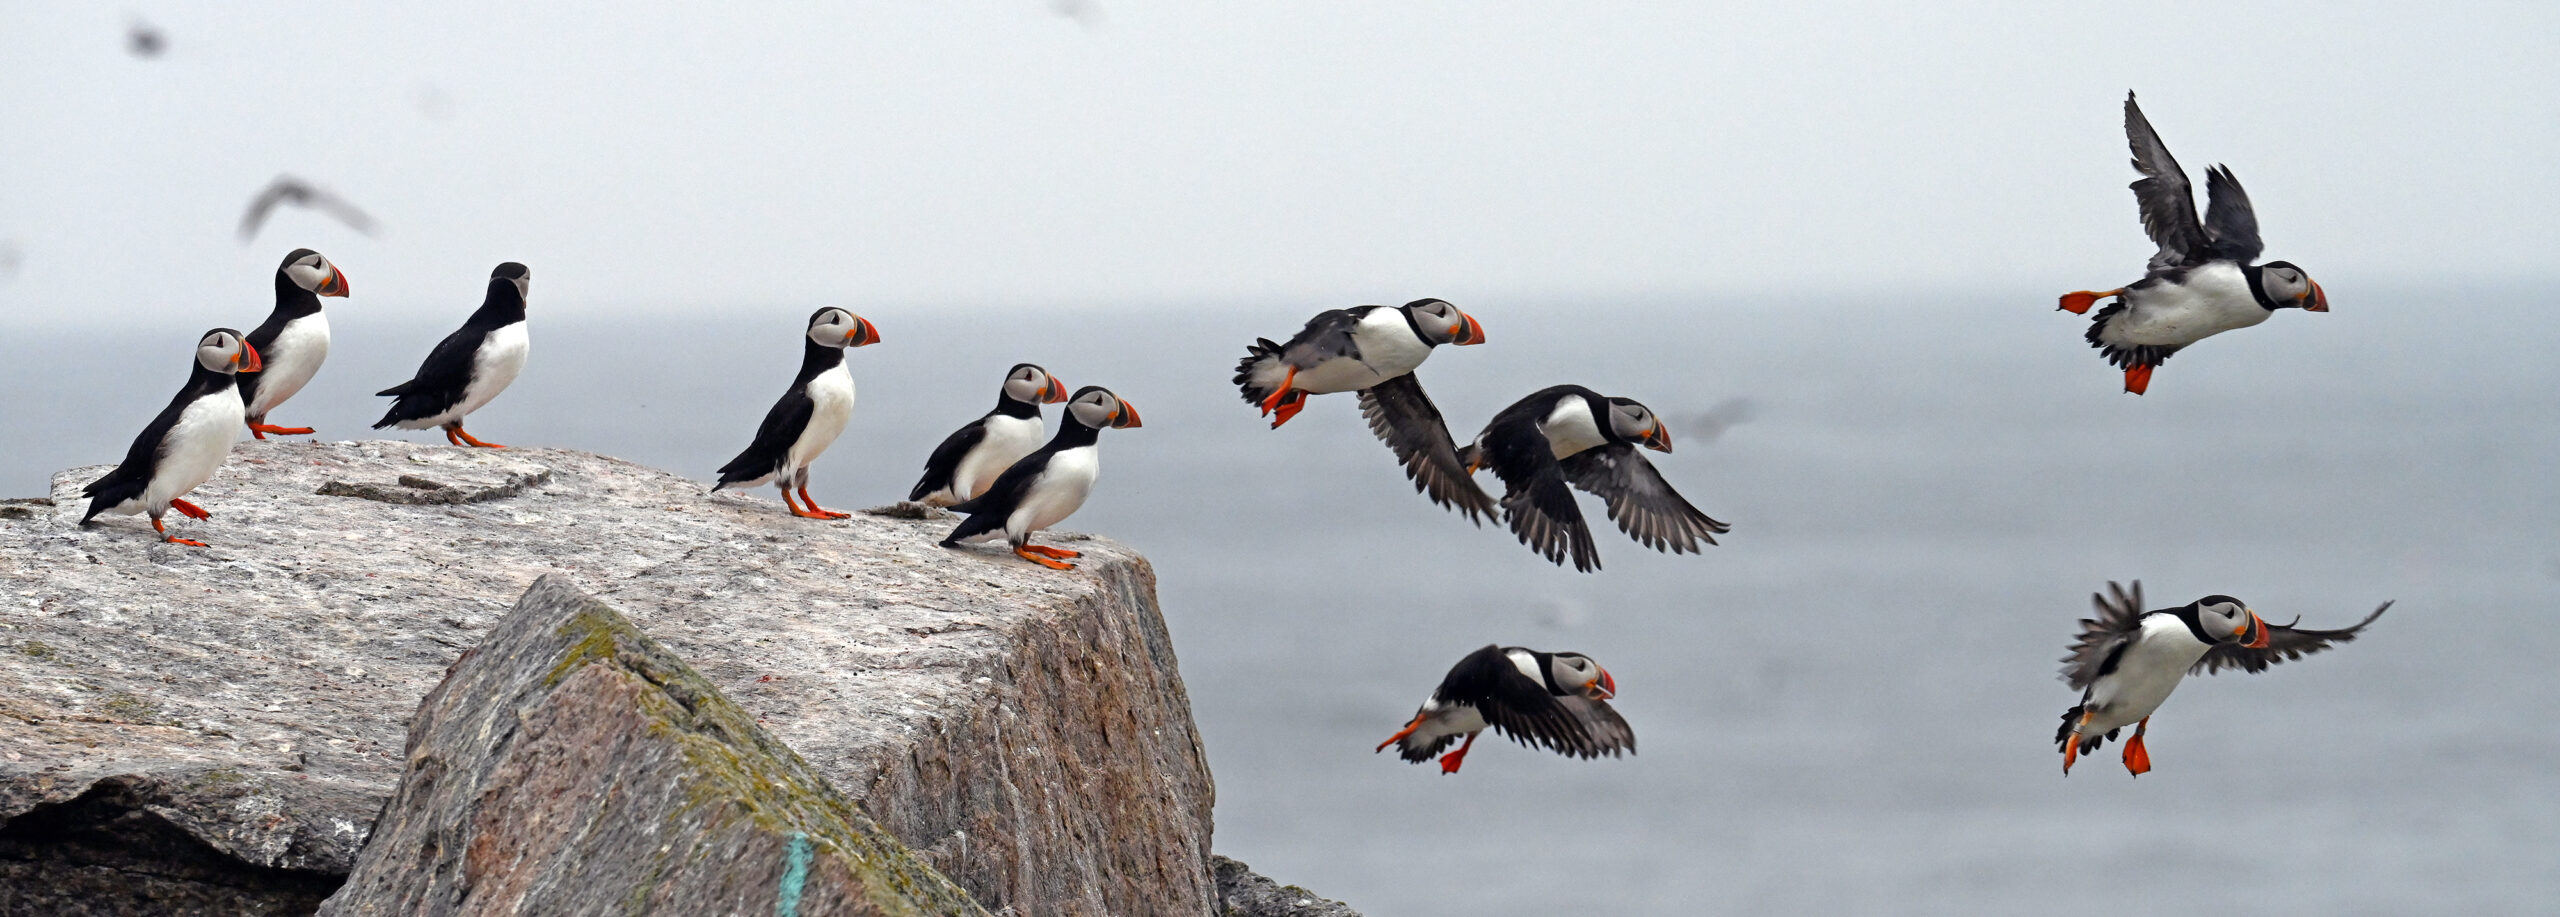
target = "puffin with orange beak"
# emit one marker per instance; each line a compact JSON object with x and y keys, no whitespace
{"x":1374,"y":350}
{"x":1050,"y":484}
{"x":182,"y":447}
{"x":808,"y":417}
{"x":1567,"y":436}
{"x":2201,"y":282}
{"x":294,"y":339}
{"x":1556,"y":700}
{"x":470,"y":366}
{"x":2127,"y":660}
{"x":968,"y":461}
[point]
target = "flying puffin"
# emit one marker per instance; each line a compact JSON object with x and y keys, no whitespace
{"x":294,"y":339}
{"x":808,"y":417}
{"x":185,"y":444}
{"x":1048,"y":485}
{"x":471,"y":365}
{"x":969,"y":460}
{"x":2201,"y":282}
{"x":1559,"y":700}
{"x":2127,"y":660}
{"x":1558,"y":437}
{"x":1374,"y":350}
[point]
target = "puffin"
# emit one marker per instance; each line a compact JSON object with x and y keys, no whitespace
{"x":808,"y":416}
{"x":1374,"y":350}
{"x":294,"y":338}
{"x":1569,"y":435}
{"x":1558,"y":700}
{"x":470,"y":367}
{"x":1045,"y":487}
{"x":2127,"y":660}
{"x":969,"y":460}
{"x":183,"y":446}
{"x":2201,"y":282}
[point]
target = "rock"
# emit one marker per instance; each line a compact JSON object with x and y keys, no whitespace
{"x":1242,"y":893}
{"x":1025,"y":730}
{"x":570,"y":765}
{"x":25,"y":507}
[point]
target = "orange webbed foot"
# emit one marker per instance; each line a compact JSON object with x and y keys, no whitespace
{"x":467,"y":438}
{"x":1043,"y":561}
{"x":191,"y":510}
{"x":2137,"y":759}
{"x":1272,"y":402}
{"x":1046,"y":551}
{"x":2078,"y":303}
{"x":1449,"y":762}
{"x":1401,"y":733}
{"x":261,"y":430}
{"x":2137,"y":379}
{"x":1288,"y":409}
{"x":816,"y":512}
{"x":189,"y":542}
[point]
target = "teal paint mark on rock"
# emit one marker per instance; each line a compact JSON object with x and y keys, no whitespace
{"x":795,"y":873}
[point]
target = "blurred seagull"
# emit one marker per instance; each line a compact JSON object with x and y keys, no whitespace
{"x":287,"y":189}
{"x":1707,"y":425}
{"x":143,"y":40}
{"x":1086,"y":13}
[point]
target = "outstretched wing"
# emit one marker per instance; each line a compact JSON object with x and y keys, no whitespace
{"x":1536,"y":500}
{"x":1404,"y":418}
{"x":2284,"y":643}
{"x":1640,"y":501}
{"x":2168,"y":202}
{"x":287,"y":189}
{"x":2102,"y":637}
{"x":2229,"y":220}
{"x":1517,"y":706}
{"x":1326,"y":336}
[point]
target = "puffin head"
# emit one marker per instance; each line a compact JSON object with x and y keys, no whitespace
{"x":1096,"y":407}
{"x":1030,"y":384}
{"x":1637,"y":424}
{"x":225,"y":351}
{"x":2287,"y":287}
{"x":2229,"y":620}
{"x":836,"y":327}
{"x":311,"y":273}
{"x":1442,"y":323}
{"x":1574,"y":673}
{"x":516,"y":278}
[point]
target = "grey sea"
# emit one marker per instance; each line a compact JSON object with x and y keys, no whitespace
{"x":1848,"y":707}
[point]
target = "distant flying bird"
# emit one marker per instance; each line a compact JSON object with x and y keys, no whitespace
{"x":2201,"y":282}
{"x":287,"y":189}
{"x":1709,"y":425}
{"x":1558,"y":700}
{"x":143,"y":40}
{"x":1086,"y":13}
{"x":2127,"y":660}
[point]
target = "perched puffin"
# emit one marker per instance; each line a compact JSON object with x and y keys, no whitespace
{"x":969,"y":460}
{"x":471,"y":365}
{"x":808,"y":417}
{"x":1559,"y":700}
{"x":2127,"y":660}
{"x":1048,"y":485}
{"x":2201,"y":282}
{"x":185,"y":444}
{"x":1569,"y":435}
{"x":1374,"y":350}
{"x":293,"y":340}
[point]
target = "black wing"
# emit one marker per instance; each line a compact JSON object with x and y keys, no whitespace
{"x":1535,"y":499}
{"x":1521,"y":708}
{"x":130,"y":478}
{"x":2168,"y":202}
{"x":781,"y":428}
{"x":1009,"y":488}
{"x":262,"y":339}
{"x":1403,"y":417}
{"x":1326,"y":336}
{"x":945,"y":460}
{"x":2284,"y":644}
{"x":2229,"y":220}
{"x":2104,"y":637}
{"x":440,"y":380}
{"x":1640,"y":501}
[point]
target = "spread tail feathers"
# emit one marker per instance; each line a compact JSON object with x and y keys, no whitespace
{"x":1254,"y":373}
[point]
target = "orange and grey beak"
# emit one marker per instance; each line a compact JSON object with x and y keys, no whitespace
{"x":1659,"y":438}
{"x":862,"y":333}
{"x":1126,"y":417}
{"x":336,"y":285}
{"x":1056,"y":392}
{"x":2264,"y":635}
{"x":1467,"y":331}
{"x":1601,"y":688}
{"x":247,"y":359}
{"x":2318,"y":301}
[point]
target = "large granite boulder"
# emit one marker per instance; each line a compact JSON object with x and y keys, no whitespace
{"x":246,"y":704}
{"x":570,"y":766}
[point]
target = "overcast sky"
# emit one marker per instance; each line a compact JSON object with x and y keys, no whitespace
{"x":963,"y":152}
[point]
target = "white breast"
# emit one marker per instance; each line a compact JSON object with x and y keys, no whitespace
{"x":493,"y":368}
{"x":2150,"y":669}
{"x":1387,"y":349}
{"x":291,"y":359}
{"x":1057,"y":494}
{"x":2209,"y":300}
{"x":193,"y":448}
{"x":1570,"y":428}
{"x":830,"y":405}
{"x":1007,"y":440}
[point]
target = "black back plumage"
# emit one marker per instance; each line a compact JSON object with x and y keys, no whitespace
{"x":1534,"y":713}
{"x":445,"y":375}
{"x":784,"y":422}
{"x":2229,"y":230}
{"x":133,"y":476}
{"x":987,"y":511}
{"x":1537,"y":500}
{"x":1326,"y":336}
{"x":945,"y":460}
{"x":292,"y":302}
